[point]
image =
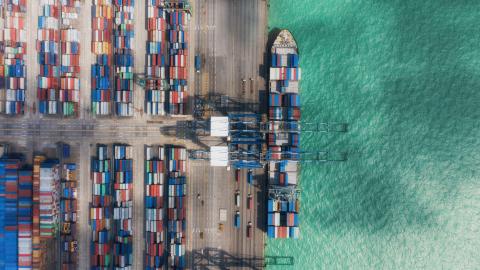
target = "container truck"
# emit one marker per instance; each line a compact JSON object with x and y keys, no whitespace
{"x":249,"y":201}
{"x":198,"y":63}
{"x":237,"y":198}
{"x":250,"y":177}
{"x":237,"y":175}
{"x":236,"y":220}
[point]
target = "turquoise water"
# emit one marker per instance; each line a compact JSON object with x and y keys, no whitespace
{"x":405,"y":76}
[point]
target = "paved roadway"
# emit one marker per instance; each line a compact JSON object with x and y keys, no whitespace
{"x":230,"y":36}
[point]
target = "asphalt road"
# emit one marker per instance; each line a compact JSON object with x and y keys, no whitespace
{"x":230,"y":37}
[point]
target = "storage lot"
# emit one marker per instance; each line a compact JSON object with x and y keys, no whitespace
{"x":231,"y":37}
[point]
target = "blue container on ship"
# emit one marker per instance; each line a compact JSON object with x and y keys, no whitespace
{"x":270,"y":203}
{"x":291,"y":206}
{"x":66,"y":150}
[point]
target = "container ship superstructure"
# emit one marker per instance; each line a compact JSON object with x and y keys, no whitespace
{"x":283,"y":138}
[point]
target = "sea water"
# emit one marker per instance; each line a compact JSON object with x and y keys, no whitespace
{"x":405,"y":76}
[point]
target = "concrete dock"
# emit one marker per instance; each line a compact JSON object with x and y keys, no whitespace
{"x":230,"y":36}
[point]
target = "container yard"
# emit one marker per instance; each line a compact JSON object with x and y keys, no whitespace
{"x":31,"y":198}
{"x":12,"y":92}
{"x":123,"y":35}
{"x":48,"y":46}
{"x":69,"y":217}
{"x":177,"y":53}
{"x":123,"y":206}
{"x":154,"y":207}
{"x":101,"y":210}
{"x":176,"y":206}
{"x":102,"y":48}
{"x":156,"y":69}
{"x":88,"y":210}
{"x":70,"y":58}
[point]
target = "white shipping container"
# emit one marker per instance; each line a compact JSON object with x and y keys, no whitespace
{"x":148,"y":153}
{"x":157,"y":36}
{"x":152,"y":14}
{"x":156,"y":72}
{"x":155,"y":178}
{"x":153,"y":214}
{"x":122,"y":213}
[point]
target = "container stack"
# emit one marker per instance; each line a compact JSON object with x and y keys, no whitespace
{"x":48,"y":38}
{"x":154,"y":210}
{"x":102,"y":23}
{"x":156,"y":68}
{"x":176,"y":227}
{"x":8,"y":213}
{"x":282,"y":219}
{"x":123,"y":207}
{"x":36,"y":247}
{"x":49,"y":198}
{"x":123,"y":48}
{"x":100,"y":211}
{"x":12,"y":96}
{"x":70,"y":58}
{"x":25,"y":188}
{"x":178,"y":55}
{"x":2,"y":55}
{"x":68,"y":208}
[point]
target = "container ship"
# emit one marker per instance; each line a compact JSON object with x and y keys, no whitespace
{"x":283,"y":138}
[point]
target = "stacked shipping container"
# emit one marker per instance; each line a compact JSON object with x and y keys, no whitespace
{"x":8,"y":213}
{"x":156,"y":67}
{"x":68,"y":208}
{"x":123,"y":59}
{"x":36,"y":248}
{"x":176,"y":227}
{"x":49,"y":198}
{"x":154,"y":210}
{"x":123,"y":207}
{"x":2,"y":64}
{"x":282,"y":218}
{"x":102,"y":14}
{"x":25,"y":225}
{"x":12,"y":93}
{"x":70,"y":58}
{"x":48,"y":37}
{"x":178,"y":54}
{"x":100,"y":211}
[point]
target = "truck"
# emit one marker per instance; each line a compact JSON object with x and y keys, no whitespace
{"x":198,"y":63}
{"x":237,"y":175}
{"x":237,"y":198}
{"x":250,"y":177}
{"x":66,"y":150}
{"x":249,"y":201}
{"x":236,"y":220}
